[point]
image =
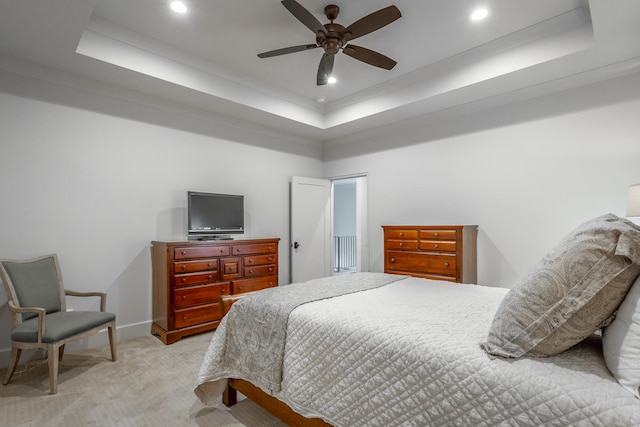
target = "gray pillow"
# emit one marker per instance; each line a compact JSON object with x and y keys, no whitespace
{"x":573,"y":291}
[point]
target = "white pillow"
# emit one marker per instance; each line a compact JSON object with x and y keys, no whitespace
{"x":621,"y":342}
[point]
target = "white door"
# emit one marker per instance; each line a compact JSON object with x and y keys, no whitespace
{"x":310,"y":228}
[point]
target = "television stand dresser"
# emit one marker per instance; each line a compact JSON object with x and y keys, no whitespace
{"x":441,"y":252}
{"x":189,"y":278}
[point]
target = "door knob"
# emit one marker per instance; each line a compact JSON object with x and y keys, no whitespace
{"x":295,"y":245}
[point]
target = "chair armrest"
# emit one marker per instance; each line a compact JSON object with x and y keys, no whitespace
{"x":102,"y":295}
{"x":39,"y":310}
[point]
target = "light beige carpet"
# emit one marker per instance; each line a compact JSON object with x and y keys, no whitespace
{"x":151,"y":384}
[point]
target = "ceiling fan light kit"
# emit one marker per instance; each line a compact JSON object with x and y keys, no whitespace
{"x":178,"y":7}
{"x":333,"y":38}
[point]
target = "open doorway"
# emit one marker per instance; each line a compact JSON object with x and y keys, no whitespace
{"x":350,"y":242}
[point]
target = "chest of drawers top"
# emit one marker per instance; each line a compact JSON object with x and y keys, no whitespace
{"x":222,"y":248}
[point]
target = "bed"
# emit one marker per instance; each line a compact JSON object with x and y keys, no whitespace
{"x":373,"y":349}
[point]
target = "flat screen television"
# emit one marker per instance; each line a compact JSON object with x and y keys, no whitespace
{"x":214,"y":216}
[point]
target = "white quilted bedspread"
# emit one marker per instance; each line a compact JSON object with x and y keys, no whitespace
{"x":408,"y":354}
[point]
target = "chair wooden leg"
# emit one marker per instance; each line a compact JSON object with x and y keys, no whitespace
{"x":52,"y":350}
{"x":60,"y":352}
{"x":112,"y":342}
{"x":13,"y":364}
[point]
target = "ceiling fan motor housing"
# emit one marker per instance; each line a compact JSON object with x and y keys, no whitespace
{"x":331,"y":42}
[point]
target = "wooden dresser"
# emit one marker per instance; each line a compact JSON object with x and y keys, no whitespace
{"x":442,"y":252}
{"x":190,"y":277}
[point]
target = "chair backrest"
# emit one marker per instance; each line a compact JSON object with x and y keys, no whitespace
{"x":34,"y":283}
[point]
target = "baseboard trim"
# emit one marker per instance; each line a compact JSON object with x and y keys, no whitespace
{"x":123,"y":333}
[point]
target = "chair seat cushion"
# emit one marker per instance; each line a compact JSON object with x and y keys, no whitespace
{"x":61,"y":325}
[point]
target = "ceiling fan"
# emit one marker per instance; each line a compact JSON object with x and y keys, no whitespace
{"x":334,"y":37}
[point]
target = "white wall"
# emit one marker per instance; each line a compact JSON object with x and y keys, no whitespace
{"x":97,"y":189}
{"x":525,"y":185}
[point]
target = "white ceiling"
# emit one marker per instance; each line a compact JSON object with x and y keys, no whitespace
{"x":205,"y":62}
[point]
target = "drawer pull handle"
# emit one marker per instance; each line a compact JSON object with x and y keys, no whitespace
{"x":184,"y":317}
{"x":184,"y":297}
{"x":437,"y":234}
{"x":250,"y":260}
{"x":270,"y":248}
{"x":270,"y":258}
{"x":239,"y":250}
{"x":221,"y":251}
{"x":209,"y":265}
{"x":437,"y":245}
{"x":222,"y":291}
{"x":401,"y":244}
{"x":250,"y":271}
{"x":184,"y":280}
{"x":446,"y":264}
{"x":401,"y":234}
{"x":184,"y":252}
{"x":209,"y":276}
{"x":239,"y":288}
{"x":270,"y":268}
{"x":184,"y":267}
{"x":393,"y":260}
{"x":270,"y":283}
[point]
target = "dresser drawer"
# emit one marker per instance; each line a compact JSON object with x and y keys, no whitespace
{"x":198,"y":295}
{"x":437,"y":264}
{"x":438,"y":234}
{"x":258,"y":271}
{"x":257,"y":248}
{"x":438,"y":245}
{"x":402,"y":234}
{"x":230,"y":268}
{"x":196,"y":315}
{"x":191,"y":279}
{"x":200,"y":252}
{"x":259,"y":260}
{"x":249,"y":285}
{"x":200,"y":265}
{"x":407,"y":245}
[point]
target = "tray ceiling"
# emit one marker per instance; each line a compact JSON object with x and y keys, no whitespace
{"x":206,"y":59}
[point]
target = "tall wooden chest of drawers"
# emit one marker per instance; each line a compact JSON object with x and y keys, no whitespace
{"x":190,"y":277}
{"x":434,"y":252}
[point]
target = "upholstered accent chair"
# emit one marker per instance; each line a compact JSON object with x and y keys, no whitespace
{"x":37,"y":302}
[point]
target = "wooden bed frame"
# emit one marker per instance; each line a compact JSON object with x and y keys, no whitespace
{"x":276,"y":407}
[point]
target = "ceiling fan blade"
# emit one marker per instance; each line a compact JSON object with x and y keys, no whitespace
{"x":304,"y":16}
{"x":286,"y":50}
{"x":369,"y":56}
{"x":325,"y":69}
{"x":371,"y":22}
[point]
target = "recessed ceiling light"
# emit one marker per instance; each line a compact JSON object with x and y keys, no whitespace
{"x":321,"y":99}
{"x":178,"y":7}
{"x":479,"y":14}
{"x":332,"y":80}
